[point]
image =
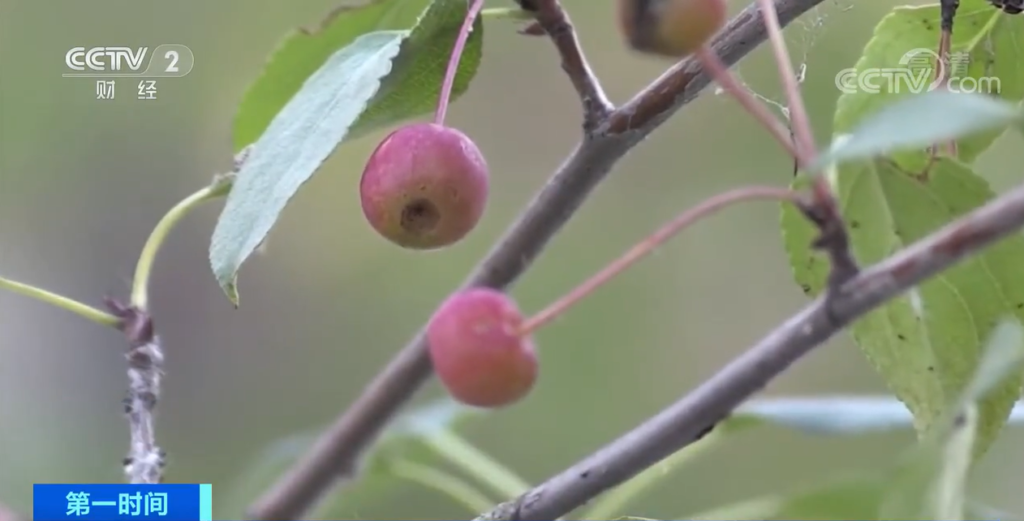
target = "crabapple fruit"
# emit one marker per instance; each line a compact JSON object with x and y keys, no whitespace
{"x":670,"y":28}
{"x":477,"y":350}
{"x":425,"y":186}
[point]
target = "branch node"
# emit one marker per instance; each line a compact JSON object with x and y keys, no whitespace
{"x":554,"y":21}
{"x":833,"y":239}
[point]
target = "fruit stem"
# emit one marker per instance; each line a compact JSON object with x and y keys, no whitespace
{"x":802,"y":132}
{"x":725,"y":79}
{"x":652,"y":242}
{"x":453,"y":61}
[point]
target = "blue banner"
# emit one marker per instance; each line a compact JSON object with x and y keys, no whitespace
{"x":60,"y":502}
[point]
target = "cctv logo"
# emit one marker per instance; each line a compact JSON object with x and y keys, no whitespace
{"x":106,"y":59}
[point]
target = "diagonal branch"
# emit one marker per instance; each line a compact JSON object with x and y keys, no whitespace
{"x":696,"y":413}
{"x":337,"y":451}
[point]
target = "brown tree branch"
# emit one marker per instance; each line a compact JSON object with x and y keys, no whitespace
{"x":696,"y":413}
{"x":337,"y":451}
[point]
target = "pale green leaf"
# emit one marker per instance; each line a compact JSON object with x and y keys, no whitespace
{"x":927,"y":344}
{"x":986,"y":44}
{"x":834,"y":415}
{"x":918,"y":121}
{"x":297,"y":142}
{"x":377,"y":79}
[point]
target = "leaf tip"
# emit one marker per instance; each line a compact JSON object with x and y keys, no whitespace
{"x":231,"y":290}
{"x":227,"y":278}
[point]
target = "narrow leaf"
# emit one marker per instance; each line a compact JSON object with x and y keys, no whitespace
{"x":834,"y":415}
{"x":297,"y":142}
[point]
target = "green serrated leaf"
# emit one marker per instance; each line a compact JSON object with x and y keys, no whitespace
{"x":413,"y":87}
{"x":379,"y":78}
{"x":305,"y":50}
{"x":298,"y":141}
{"x":919,"y":121}
{"x":986,"y":44}
{"x":928,"y":343}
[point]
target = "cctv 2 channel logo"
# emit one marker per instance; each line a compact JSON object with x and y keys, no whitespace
{"x":166,"y":61}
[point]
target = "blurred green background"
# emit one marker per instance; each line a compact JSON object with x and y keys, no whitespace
{"x":82,"y":181}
